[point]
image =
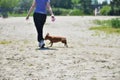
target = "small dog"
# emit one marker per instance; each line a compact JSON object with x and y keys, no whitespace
{"x":54,"y":39}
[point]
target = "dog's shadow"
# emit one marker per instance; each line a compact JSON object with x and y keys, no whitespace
{"x":46,"y":48}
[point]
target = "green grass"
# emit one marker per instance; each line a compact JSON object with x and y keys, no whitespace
{"x":115,"y":23}
{"x":5,"y":42}
{"x":108,"y":26}
{"x":103,"y":22}
{"x":19,"y":15}
{"x":108,"y":30}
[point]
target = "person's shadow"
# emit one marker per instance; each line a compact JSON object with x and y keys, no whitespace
{"x":46,"y":48}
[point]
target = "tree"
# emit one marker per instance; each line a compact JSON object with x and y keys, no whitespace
{"x":76,"y":3}
{"x":104,"y":3}
{"x":23,"y":5}
{"x":105,"y":10}
{"x":95,"y":5}
{"x":62,"y":4}
{"x":7,"y":6}
{"x":94,"y":2}
{"x":115,"y":7}
{"x":86,"y":6}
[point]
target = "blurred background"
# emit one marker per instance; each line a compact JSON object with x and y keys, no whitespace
{"x":63,"y":7}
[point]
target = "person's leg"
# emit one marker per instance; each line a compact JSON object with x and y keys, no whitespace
{"x":39,"y":20}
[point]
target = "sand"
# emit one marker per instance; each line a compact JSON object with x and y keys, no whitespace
{"x":91,"y":55}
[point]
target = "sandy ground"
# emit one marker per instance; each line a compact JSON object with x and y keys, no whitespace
{"x":91,"y":55}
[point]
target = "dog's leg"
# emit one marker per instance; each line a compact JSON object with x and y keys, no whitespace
{"x":51,"y":44}
{"x":65,"y":43}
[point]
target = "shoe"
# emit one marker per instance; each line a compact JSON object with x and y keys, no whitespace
{"x":41,"y":44}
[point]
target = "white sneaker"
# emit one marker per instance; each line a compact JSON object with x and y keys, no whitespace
{"x":41,"y":44}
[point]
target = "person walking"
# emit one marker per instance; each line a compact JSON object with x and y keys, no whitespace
{"x":40,"y":8}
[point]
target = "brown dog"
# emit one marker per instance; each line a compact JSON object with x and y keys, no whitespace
{"x":54,"y":39}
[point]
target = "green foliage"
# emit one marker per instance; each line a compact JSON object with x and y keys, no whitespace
{"x":86,"y":6}
{"x":108,"y":30}
{"x":22,"y":7}
{"x":115,"y":23}
{"x":63,"y":7}
{"x":108,"y":26}
{"x":67,"y":4}
{"x":115,"y":7}
{"x":103,"y":22}
{"x":18,"y":14}
{"x":76,"y":12}
{"x":75,"y":1}
{"x":105,"y":10}
{"x":64,"y":12}
{"x":8,"y":3}
{"x":104,"y":3}
{"x":95,"y":2}
{"x":61,"y":11}
{"x":7,"y":6}
{"x":83,"y":5}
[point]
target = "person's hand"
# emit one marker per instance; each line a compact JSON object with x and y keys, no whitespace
{"x":52,"y":18}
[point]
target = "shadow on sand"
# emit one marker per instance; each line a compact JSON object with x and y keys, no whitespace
{"x":46,"y":48}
